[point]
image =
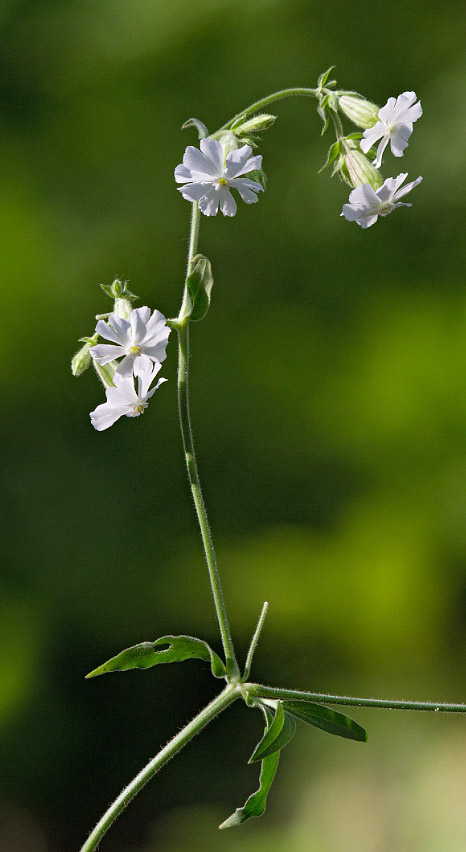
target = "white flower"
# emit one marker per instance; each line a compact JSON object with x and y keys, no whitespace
{"x":140,"y":339}
{"x":210,"y":175}
{"x":124,"y":399}
{"x":395,"y":125}
{"x":366,"y":205}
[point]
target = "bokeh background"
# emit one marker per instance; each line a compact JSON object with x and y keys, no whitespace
{"x":329,"y":406}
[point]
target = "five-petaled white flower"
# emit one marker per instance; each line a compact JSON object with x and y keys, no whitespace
{"x":210,"y":175}
{"x":124,"y":399}
{"x":395,"y":125}
{"x":140,"y":339}
{"x":366,"y":204}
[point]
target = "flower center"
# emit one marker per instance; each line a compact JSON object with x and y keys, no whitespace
{"x":135,"y":350}
{"x":222,"y":182}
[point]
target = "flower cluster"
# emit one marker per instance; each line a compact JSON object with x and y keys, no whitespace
{"x":393,"y":124}
{"x":140,"y":340}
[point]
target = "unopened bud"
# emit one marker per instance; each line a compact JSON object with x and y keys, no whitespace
{"x":106,"y":372}
{"x":360,"y":170}
{"x":82,"y":360}
{"x":256,"y":124}
{"x":229,"y":142}
{"x":361,"y":112}
{"x":122,"y":308}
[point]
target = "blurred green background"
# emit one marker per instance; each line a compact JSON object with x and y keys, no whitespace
{"x":329,"y":407}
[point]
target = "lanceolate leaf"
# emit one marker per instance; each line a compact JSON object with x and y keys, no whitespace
{"x":277,"y":735}
{"x":146,"y":655}
{"x":326,"y":719}
{"x":255,"y":805}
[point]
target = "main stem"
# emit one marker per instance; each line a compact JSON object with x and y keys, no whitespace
{"x":182,"y":327}
{"x":220,"y":703}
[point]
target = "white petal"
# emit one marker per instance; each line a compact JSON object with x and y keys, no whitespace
{"x":208,"y":204}
{"x":227,"y":203}
{"x":198,"y":163}
{"x":405,"y":189}
{"x":108,"y":332}
{"x":125,"y":368}
{"x":248,"y":195}
{"x":105,"y":416}
{"x":182,"y":173}
{"x":151,"y":392}
{"x":194,"y":191}
{"x":105,"y":352}
{"x":213,"y":150}
{"x":399,"y":139}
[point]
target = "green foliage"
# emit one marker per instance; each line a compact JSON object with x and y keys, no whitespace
{"x":255,"y":805}
{"x":326,"y":719}
{"x":144,"y":655}
{"x":200,"y":282}
{"x":277,"y":735}
{"x":199,"y":125}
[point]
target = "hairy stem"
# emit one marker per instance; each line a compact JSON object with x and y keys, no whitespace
{"x":258,"y":691}
{"x":270,"y":99}
{"x":182,"y":328}
{"x":220,"y":703}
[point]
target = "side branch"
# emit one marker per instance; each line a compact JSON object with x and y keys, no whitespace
{"x":258,"y":691}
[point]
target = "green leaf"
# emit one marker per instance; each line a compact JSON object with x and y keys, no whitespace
{"x":333,"y":152}
{"x":324,"y":77}
{"x":259,"y":176}
{"x":145,"y":655}
{"x":199,"y":125}
{"x":326,"y":719}
{"x":200,"y":282}
{"x":255,"y":805}
{"x":276,"y":736}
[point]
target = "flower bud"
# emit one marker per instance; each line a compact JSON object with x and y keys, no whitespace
{"x":229,"y":141}
{"x":106,"y":372}
{"x":122,"y":308}
{"x":82,"y":360}
{"x":360,"y":170}
{"x":361,"y":112}
{"x":256,"y":124}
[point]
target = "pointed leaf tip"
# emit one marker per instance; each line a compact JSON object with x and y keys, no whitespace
{"x":146,"y":654}
{"x":277,"y":736}
{"x":326,"y":719}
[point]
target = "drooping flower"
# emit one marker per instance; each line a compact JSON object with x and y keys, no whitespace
{"x":395,"y":125}
{"x":141,"y":339}
{"x":209,"y":176}
{"x":366,"y":204}
{"x":124,"y":398}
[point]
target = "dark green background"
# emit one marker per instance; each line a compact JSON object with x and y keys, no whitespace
{"x":329,"y":406}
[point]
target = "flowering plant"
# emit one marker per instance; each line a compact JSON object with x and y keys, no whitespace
{"x":129,"y":363}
